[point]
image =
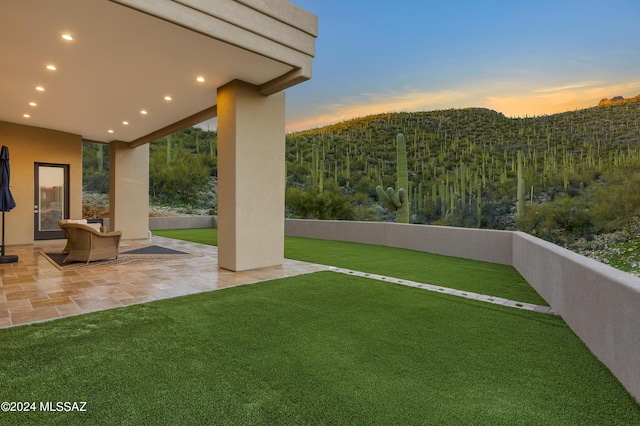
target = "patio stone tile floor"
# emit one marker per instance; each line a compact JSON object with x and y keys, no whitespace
{"x":33,"y":290}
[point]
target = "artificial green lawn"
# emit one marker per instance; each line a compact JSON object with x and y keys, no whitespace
{"x":323,"y":348}
{"x":462,"y":274}
{"x":207,"y":236}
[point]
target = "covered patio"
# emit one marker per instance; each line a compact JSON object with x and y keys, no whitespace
{"x":127,"y":72}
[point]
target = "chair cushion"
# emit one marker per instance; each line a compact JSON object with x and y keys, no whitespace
{"x":95,"y":226}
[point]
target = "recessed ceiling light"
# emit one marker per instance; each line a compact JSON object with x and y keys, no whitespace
{"x":33,"y":104}
{"x":125,"y":122}
{"x":51,"y":67}
{"x":110,"y":131}
{"x":40,"y":89}
{"x":26,"y":115}
{"x":67,"y":37}
{"x":167,"y":98}
{"x":200,"y":79}
{"x":143,"y":112}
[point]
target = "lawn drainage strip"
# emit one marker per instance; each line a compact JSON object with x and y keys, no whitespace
{"x":451,"y":291}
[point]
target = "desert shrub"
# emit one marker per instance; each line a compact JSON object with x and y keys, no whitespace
{"x":96,"y":181}
{"x":331,"y":203}
{"x":562,"y":219}
{"x":95,"y":167}
{"x":616,"y":199}
{"x":178,"y":180}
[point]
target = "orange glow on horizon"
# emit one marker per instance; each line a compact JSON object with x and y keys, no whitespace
{"x":541,"y":101}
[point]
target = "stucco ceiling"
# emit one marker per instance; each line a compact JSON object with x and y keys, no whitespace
{"x":120,"y":62}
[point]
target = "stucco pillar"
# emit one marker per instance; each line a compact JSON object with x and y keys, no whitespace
{"x":251,"y":161}
{"x":129,"y":190}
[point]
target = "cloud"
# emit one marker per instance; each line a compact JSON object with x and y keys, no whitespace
{"x":568,"y":87}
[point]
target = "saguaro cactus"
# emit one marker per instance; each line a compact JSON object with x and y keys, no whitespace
{"x":317,"y":171}
{"x":169,"y":156}
{"x":100,"y":156}
{"x":479,"y":205}
{"x":397,"y":199}
{"x":520,"y":189}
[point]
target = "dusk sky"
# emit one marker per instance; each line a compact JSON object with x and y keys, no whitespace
{"x":518,"y":57}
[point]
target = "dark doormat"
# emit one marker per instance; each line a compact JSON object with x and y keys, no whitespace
{"x":153,"y":250}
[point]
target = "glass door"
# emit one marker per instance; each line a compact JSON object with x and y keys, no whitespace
{"x":51,"y":202}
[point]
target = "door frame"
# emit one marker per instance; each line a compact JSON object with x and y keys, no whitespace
{"x":49,"y":235}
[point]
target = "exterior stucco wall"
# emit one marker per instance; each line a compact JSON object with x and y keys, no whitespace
{"x":182,"y":222}
{"x":601,"y":304}
{"x":251,"y":174}
{"x":129,"y":190}
{"x":477,"y":244}
{"x":276,"y":29}
{"x":28,"y":145}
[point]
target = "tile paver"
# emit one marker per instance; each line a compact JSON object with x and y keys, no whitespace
{"x":451,"y":291}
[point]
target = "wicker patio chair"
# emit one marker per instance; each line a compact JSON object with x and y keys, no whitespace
{"x":86,"y":243}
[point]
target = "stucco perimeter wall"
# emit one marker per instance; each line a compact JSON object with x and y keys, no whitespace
{"x":478,"y":244}
{"x":182,"y":222}
{"x":601,"y":304}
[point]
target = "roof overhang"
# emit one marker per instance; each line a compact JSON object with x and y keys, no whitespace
{"x":127,"y":55}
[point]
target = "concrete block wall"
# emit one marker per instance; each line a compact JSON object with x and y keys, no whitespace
{"x":601,"y":304}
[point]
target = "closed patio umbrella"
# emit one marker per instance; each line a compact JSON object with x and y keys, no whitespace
{"x":6,"y":199}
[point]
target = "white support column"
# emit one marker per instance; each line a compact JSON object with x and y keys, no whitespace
{"x":251,"y":162}
{"x":129,"y":190}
